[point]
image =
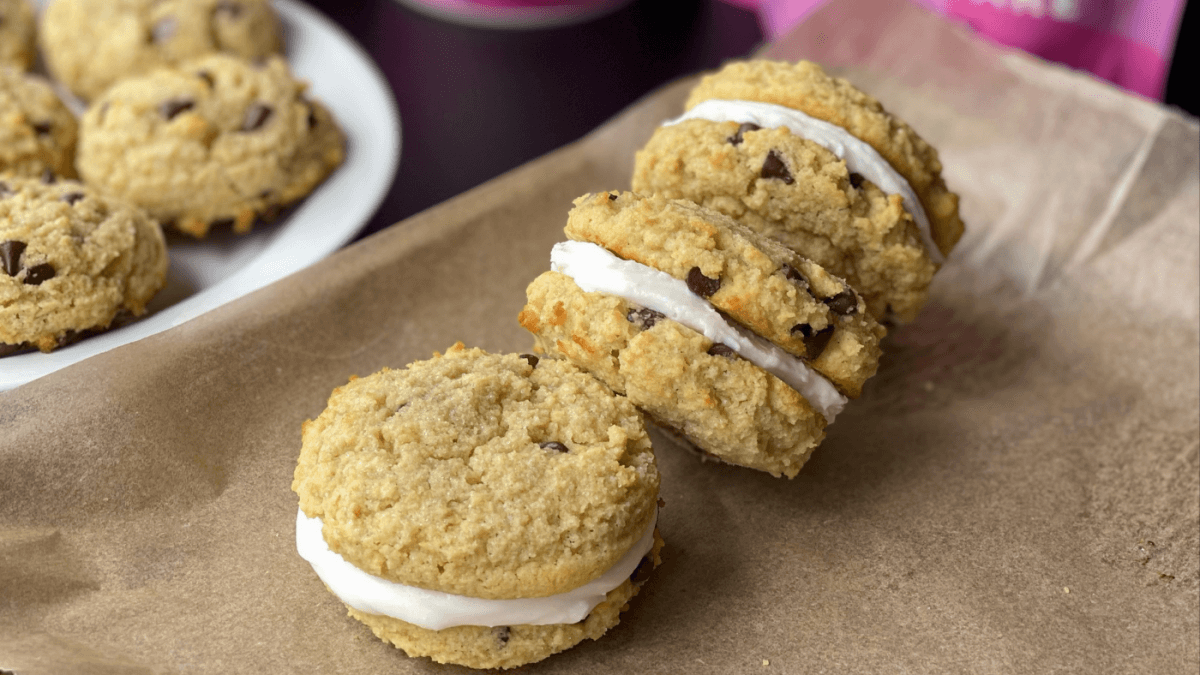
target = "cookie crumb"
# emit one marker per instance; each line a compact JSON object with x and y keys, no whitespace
{"x":766,"y":663}
{"x":1066,"y":590}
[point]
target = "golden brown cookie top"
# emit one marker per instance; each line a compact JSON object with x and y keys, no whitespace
{"x":91,"y":44}
{"x":71,"y":259}
{"x":17,"y":31}
{"x":804,"y":86}
{"x":704,"y":391}
{"x":214,"y":141}
{"x":37,"y":132}
{"x":485,"y":475}
{"x":800,"y":194}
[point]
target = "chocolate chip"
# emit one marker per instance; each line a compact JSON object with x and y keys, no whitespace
{"x":256,"y":116}
{"x":719,"y":349}
{"x":48,"y":176}
{"x":794,"y":275}
{"x":34,"y":276}
{"x":71,"y":197}
{"x":5,"y":190}
{"x":641,"y":574}
{"x":207,"y":77}
{"x":736,"y":139}
{"x":700,"y":284}
{"x":42,"y":128}
{"x":503,"y":633}
{"x":221,"y":223}
{"x":644,"y":318}
{"x":856,"y":180}
{"x":10,"y":256}
{"x":164,"y":29}
{"x":233,"y":9}
{"x":843,"y":303}
{"x":814,"y":342}
{"x":270,"y":212}
{"x":172,"y":107}
{"x":773,"y":167}
{"x":612,"y":196}
{"x":554,"y":445}
{"x":533,"y":360}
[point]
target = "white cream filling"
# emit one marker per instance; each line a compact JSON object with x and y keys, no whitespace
{"x":596,"y":270}
{"x":436,"y":610}
{"x":859,"y":157}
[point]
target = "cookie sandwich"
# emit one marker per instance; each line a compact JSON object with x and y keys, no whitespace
{"x":818,"y":165}
{"x":72,"y":262}
{"x":89,"y":45}
{"x":719,"y":334}
{"x":481,"y":509}
{"x":218,"y":141}
{"x":37,"y":132}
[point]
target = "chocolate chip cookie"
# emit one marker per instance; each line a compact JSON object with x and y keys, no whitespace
{"x":701,"y":389}
{"x":801,"y":195}
{"x":481,"y":509}
{"x":71,"y":261}
{"x":717,"y":333}
{"x":818,"y":165}
{"x":37,"y":132}
{"x":17,"y":32}
{"x":804,"y":86}
{"x":218,"y":141}
{"x":757,"y":282}
{"x":90,"y":44}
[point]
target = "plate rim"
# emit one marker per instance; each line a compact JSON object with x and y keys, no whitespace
{"x":264,"y":268}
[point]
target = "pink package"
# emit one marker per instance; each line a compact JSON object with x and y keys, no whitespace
{"x":1127,"y":42}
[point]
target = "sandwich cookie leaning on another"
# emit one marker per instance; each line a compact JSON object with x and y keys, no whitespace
{"x":818,"y":165}
{"x":480,"y":509}
{"x":719,"y":334}
{"x":89,"y":45}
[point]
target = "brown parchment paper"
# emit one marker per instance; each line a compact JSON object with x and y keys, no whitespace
{"x":1015,"y":492}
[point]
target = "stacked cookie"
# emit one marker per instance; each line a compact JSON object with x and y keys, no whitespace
{"x":718,"y":333}
{"x":739,"y":294}
{"x":818,"y":165}
{"x":194,"y":118}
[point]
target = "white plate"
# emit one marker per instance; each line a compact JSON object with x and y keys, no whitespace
{"x":209,"y":273}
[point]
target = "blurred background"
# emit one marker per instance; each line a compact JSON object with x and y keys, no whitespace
{"x":475,"y":102}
